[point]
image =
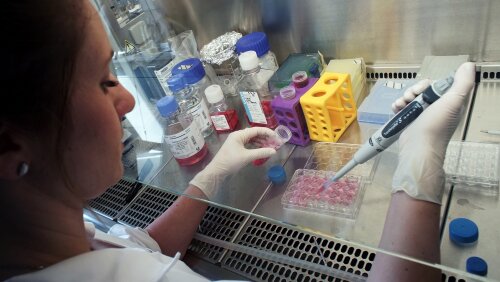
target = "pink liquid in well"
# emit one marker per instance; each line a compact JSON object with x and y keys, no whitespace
{"x":194,"y":158}
{"x":309,"y":188}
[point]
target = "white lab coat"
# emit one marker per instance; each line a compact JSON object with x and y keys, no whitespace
{"x":124,"y":254}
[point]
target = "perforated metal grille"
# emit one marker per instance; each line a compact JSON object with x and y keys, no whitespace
{"x":219,"y":224}
{"x":373,"y":73}
{"x":268,"y":236}
{"x":446,"y":277}
{"x":490,"y":73}
{"x":112,"y":201}
{"x":146,"y":207}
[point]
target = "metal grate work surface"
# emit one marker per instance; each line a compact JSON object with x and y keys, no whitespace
{"x":146,"y":207}
{"x":112,"y":202}
{"x":295,"y":244}
{"x":220,"y":224}
{"x":217,"y":223}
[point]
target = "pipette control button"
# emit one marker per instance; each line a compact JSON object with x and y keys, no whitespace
{"x":463,"y":231}
{"x":276,"y":174}
{"x":477,"y":265}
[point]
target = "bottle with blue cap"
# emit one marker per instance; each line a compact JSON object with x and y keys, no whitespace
{"x":181,"y":134}
{"x":258,"y":42}
{"x":194,"y":73}
{"x":191,"y":101}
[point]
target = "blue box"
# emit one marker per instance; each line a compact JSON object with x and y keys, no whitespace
{"x":376,"y":108}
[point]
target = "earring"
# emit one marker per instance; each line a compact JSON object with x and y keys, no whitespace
{"x":22,"y":169}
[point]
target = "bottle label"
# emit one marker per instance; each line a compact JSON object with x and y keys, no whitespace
{"x":201,"y":116}
{"x":185,"y":143}
{"x":220,"y":122}
{"x":165,"y":73}
{"x":254,"y":111}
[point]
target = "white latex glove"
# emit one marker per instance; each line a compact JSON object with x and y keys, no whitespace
{"x":422,"y":146}
{"x":230,"y":158}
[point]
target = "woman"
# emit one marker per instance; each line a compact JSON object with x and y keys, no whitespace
{"x":60,"y":146}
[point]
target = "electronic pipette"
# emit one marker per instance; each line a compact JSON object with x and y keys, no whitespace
{"x":391,"y":130}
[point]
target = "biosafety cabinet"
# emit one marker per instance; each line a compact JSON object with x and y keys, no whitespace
{"x":247,"y":232}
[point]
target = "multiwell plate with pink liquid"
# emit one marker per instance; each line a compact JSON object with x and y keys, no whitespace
{"x":305,"y":191}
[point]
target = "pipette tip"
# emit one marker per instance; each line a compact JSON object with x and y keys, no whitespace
{"x":350,"y":165}
{"x":326,"y":184}
{"x":329,"y":182}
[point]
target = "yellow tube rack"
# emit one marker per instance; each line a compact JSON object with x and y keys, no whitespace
{"x":329,"y":107}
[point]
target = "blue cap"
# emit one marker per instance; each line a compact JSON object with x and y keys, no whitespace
{"x":176,"y":82}
{"x":255,"y":41}
{"x":463,"y":231}
{"x":276,"y":174}
{"x":192,"y":69}
{"x":167,"y":105}
{"x":477,"y":265}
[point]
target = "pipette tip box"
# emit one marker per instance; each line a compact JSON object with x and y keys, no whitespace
{"x":377,"y":106}
{"x":342,"y":198}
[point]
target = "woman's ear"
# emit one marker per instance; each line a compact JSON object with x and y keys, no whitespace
{"x":14,"y":162}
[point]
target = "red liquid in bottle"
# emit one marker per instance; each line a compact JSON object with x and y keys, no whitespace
{"x":194,"y":158}
{"x":268,"y":113}
{"x":231,"y":118}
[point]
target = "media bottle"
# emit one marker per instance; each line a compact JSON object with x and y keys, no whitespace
{"x":258,"y":42}
{"x":181,"y":134}
{"x":194,"y":74}
{"x":223,"y":117}
{"x":254,"y":91}
{"x":191,"y":101}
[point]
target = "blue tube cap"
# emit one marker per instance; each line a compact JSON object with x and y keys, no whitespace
{"x":463,"y":231}
{"x":255,"y":41}
{"x":277,"y":174}
{"x":167,"y":105}
{"x":192,"y":69}
{"x":477,"y":265}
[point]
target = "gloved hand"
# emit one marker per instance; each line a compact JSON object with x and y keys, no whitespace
{"x":422,"y":146}
{"x":230,"y":158}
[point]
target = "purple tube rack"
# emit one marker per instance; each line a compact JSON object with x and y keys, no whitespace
{"x":289,"y":113}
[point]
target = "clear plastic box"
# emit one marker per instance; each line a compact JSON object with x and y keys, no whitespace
{"x":473,"y":164}
{"x":305,"y":192}
{"x":333,"y":156}
{"x":376,"y":108}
